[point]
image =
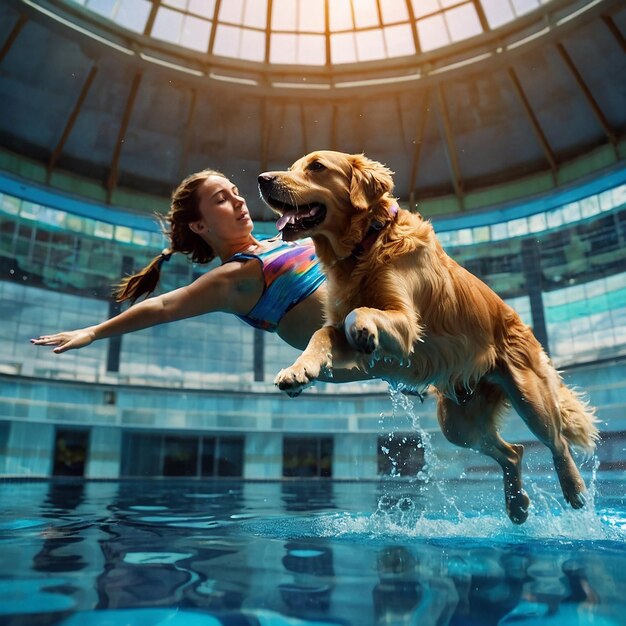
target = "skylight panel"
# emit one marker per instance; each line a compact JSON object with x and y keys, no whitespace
{"x":498,"y":12}
{"x":524,"y":6}
{"x":168,"y":25}
{"x":239,"y":43}
{"x":365,"y":13}
{"x":130,"y":14}
{"x":432,"y":32}
{"x":427,"y":7}
{"x":394,"y":11}
{"x":203,"y":8}
{"x":231,"y":11}
{"x":343,"y":48}
{"x":133,"y":14}
{"x":463,"y":22}
{"x":311,"y":16}
{"x":284,"y":16}
{"x":370,"y":45}
{"x":255,"y":14}
{"x":340,"y":15}
{"x":195,"y":33}
{"x":252,"y":47}
{"x":399,"y":40}
{"x":291,"y":48}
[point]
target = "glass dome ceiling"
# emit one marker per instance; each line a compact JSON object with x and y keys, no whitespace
{"x":311,"y":32}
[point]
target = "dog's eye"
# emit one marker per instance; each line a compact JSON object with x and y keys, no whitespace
{"x":316,"y":166}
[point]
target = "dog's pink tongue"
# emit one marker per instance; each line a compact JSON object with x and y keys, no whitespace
{"x":282,"y":221}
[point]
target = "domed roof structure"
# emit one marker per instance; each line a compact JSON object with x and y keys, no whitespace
{"x":470,"y":102}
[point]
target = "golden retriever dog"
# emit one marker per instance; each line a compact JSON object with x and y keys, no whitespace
{"x":402,"y":309}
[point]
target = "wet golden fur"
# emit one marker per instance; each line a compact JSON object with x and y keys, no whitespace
{"x":403,"y":297}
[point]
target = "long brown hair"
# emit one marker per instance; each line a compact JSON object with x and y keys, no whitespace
{"x":175,"y":226}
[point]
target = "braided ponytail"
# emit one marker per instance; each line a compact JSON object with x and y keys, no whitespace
{"x":143,"y":282}
{"x":175,"y":226}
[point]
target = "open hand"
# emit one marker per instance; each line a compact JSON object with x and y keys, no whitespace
{"x":70,"y":340}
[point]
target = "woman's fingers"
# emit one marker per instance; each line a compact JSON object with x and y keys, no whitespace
{"x":48,"y":340}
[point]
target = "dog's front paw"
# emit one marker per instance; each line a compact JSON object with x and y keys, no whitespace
{"x":295,"y":379}
{"x":361,"y":333}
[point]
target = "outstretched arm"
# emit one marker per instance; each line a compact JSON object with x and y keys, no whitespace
{"x":229,"y":288}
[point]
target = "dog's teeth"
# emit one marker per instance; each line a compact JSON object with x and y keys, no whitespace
{"x":282,"y":221}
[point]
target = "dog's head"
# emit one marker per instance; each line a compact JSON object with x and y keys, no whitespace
{"x":328,"y":194}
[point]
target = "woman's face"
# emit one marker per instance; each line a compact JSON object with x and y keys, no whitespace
{"x":223,"y":212}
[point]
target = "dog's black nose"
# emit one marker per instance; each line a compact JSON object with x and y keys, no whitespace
{"x":266,"y":177}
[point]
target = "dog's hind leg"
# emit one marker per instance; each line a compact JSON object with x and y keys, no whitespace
{"x":535,"y":396}
{"x":473,"y":424}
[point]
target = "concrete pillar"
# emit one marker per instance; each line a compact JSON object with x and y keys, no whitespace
{"x":263,"y":456}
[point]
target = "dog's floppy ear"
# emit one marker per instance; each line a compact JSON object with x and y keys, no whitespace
{"x":371,"y":180}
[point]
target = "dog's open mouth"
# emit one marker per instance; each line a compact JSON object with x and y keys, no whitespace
{"x":294,"y":220}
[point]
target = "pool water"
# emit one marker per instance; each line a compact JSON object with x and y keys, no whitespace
{"x":186,"y":553}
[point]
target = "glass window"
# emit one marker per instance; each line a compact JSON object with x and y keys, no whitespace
{"x":499,"y":231}
{"x":554,"y":219}
{"x":196,"y":33}
{"x":70,"y":452}
{"x":9,"y":204}
{"x":518,"y":227}
{"x":123,"y":234}
{"x":180,"y":456}
{"x":394,"y":11}
{"x":307,"y":456}
{"x":232,"y":11}
{"x":30,"y":211}
{"x":590,"y":206}
{"x":399,"y":40}
{"x":432,"y":32}
{"x":103,"y":230}
{"x":167,"y":25}
{"x":571,"y":212}
{"x":141,"y":454}
{"x":133,"y":14}
{"x":425,"y":7}
{"x":463,"y":22}
{"x":370,"y":45}
{"x":205,"y":8}
{"x":255,"y":14}
{"x":343,"y":48}
{"x":498,"y":12}
{"x":340,"y":15}
{"x":537,"y":223}
{"x":366,"y":14}
{"x":464,"y":236}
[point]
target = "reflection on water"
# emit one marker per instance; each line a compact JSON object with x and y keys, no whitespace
{"x":304,"y":552}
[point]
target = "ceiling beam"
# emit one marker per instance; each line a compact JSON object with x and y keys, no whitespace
{"x":591,"y":101}
{"x":413,"y":23}
{"x":449,"y":145}
{"x":268,"y":31}
{"x":156,"y":5}
{"x":534,"y":122}
{"x":56,"y":153}
{"x":327,"y":32}
{"x":610,"y":24}
{"x":15,"y":31}
{"x":216,"y":13}
{"x":128,"y":109}
{"x":482,"y":18}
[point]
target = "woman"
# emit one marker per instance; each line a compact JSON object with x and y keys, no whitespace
{"x":273,"y":285}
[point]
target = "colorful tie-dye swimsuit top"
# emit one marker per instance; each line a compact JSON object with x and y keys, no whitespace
{"x":291,"y":272}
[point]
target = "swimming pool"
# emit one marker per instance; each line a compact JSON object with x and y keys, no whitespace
{"x":96,"y":553}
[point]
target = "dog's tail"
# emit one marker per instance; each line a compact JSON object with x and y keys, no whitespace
{"x":578,"y":419}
